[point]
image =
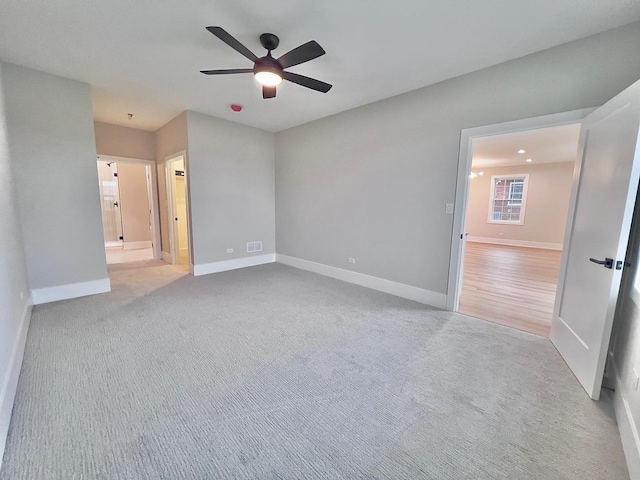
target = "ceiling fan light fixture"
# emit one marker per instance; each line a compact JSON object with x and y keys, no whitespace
{"x":268,"y":71}
{"x":267,"y":78}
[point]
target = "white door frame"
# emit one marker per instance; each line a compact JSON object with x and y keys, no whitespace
{"x":171,"y":206}
{"x":467,"y":136}
{"x":152,"y":194}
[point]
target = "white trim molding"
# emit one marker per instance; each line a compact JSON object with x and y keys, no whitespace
{"x":515,"y":243}
{"x":71,"y":290}
{"x":137,"y":245}
{"x":420,"y":295}
{"x":627,"y":426}
{"x":167,"y":257}
{"x":10,"y":385}
{"x":234,"y":264}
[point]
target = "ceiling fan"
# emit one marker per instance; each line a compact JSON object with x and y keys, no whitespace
{"x":270,"y":71}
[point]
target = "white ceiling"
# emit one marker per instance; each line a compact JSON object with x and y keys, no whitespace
{"x":144,"y":56}
{"x":543,"y":145}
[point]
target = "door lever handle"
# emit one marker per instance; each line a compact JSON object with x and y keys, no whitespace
{"x":607,"y":262}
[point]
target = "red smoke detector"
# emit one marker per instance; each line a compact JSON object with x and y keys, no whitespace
{"x":236,"y":108}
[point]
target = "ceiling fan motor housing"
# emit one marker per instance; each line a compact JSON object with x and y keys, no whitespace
{"x":269,"y":41}
{"x":268,"y":64}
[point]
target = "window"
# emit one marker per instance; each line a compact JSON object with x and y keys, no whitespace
{"x":508,"y":198}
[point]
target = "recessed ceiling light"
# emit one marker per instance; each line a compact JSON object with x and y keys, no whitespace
{"x":521,"y":151}
{"x":529,"y":160}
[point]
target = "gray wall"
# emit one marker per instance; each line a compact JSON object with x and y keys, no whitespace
{"x":124,"y":142}
{"x":50,"y":127}
{"x":546,"y":209}
{"x":372,"y":183}
{"x":14,"y":290}
{"x":170,"y":139}
{"x":231,"y":183}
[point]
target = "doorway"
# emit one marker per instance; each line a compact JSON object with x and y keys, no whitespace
{"x":512,"y":201}
{"x":129,"y":209}
{"x":604,"y":190}
{"x":519,"y":192}
{"x":178,"y":210}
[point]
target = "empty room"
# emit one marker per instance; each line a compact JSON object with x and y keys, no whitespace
{"x":239,"y":240}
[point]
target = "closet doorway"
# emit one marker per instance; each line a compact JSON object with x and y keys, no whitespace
{"x":178,"y":210}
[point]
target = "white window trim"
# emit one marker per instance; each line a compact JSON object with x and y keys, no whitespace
{"x":524,"y":198}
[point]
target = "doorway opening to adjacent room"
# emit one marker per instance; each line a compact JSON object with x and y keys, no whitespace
{"x":601,"y":208}
{"x":178,"y":210}
{"x":128,"y":201}
{"x":518,"y":181}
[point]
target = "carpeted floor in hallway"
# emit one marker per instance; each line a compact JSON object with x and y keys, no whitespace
{"x":275,"y":373}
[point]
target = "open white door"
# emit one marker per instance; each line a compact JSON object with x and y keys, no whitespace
{"x":603,"y":197}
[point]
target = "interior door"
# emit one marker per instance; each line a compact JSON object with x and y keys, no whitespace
{"x":603,"y":197}
{"x":110,"y":202}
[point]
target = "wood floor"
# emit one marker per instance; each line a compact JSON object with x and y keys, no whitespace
{"x":513,"y":286}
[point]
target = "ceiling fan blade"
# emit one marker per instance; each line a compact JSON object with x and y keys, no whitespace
{"x":268,"y":92}
{"x":301,"y":54}
{"x":311,"y":83}
{"x":223,"y":35}
{"x":229,"y":70}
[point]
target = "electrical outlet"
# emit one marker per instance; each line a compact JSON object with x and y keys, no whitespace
{"x":636,"y":379}
{"x":21,"y":296}
{"x":448,"y":208}
{"x":351,"y":260}
{"x":229,"y":250}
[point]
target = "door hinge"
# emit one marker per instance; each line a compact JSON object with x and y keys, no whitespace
{"x":115,"y":174}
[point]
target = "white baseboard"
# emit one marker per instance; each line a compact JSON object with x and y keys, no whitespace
{"x":167,"y":257}
{"x":515,"y":243}
{"x":409,"y":292}
{"x":72,"y":290}
{"x":10,"y":384}
{"x":137,"y":245}
{"x":225,"y":265}
{"x":627,"y":427}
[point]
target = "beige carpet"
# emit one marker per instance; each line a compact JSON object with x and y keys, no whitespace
{"x":275,"y":373}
